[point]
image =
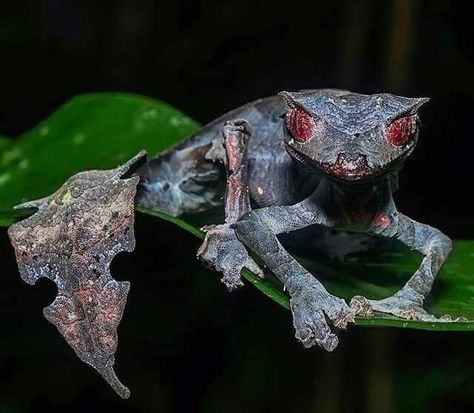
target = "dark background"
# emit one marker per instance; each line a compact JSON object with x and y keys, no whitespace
{"x":185,"y":344}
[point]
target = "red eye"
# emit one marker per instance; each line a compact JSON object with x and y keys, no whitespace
{"x":398,"y":131}
{"x":300,"y":123}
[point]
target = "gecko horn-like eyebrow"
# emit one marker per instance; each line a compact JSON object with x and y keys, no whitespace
{"x":287,"y":96}
{"x":412,"y":105}
{"x":418,"y":102}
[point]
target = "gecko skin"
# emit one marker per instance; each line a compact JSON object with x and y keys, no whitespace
{"x":327,"y":158}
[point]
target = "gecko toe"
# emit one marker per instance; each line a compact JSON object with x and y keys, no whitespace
{"x":232,"y":280}
{"x":361,"y":306}
{"x":344,"y":318}
{"x":223,"y":252}
{"x":311,"y":315}
{"x":312,"y":329}
{"x":397,"y":305}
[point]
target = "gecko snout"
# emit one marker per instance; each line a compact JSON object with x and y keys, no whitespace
{"x":351,"y":158}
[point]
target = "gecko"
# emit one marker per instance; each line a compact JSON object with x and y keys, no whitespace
{"x":322,"y":159}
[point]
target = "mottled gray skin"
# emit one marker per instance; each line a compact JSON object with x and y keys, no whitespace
{"x":341,"y":178}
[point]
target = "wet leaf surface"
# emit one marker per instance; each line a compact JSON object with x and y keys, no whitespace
{"x":72,"y":239}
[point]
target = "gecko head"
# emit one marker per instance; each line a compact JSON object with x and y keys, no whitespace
{"x":350,"y":136}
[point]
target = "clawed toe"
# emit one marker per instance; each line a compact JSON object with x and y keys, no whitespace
{"x":328,"y":342}
{"x":232,"y":281}
{"x":344,"y":318}
{"x":313,"y":330}
{"x":223,"y":252}
{"x":361,"y":306}
{"x":311,"y":314}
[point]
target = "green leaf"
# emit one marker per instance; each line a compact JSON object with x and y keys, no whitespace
{"x":100,"y":131}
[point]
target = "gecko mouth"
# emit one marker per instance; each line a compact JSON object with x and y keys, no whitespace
{"x":344,"y":168}
{"x":352,"y":168}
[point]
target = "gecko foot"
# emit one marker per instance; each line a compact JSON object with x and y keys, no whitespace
{"x":311,"y":309}
{"x":223,"y":252}
{"x":399,"y":305}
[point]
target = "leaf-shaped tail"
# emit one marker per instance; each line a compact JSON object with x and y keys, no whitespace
{"x":72,"y":239}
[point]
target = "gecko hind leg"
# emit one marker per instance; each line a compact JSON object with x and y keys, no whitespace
{"x":408,"y":302}
{"x":221,"y":250}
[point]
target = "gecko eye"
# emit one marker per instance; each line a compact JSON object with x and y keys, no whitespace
{"x":300,"y":123}
{"x":398,"y":131}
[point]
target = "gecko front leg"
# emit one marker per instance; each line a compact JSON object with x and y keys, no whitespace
{"x":221,"y":250}
{"x":311,"y":304}
{"x":408,"y":302}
